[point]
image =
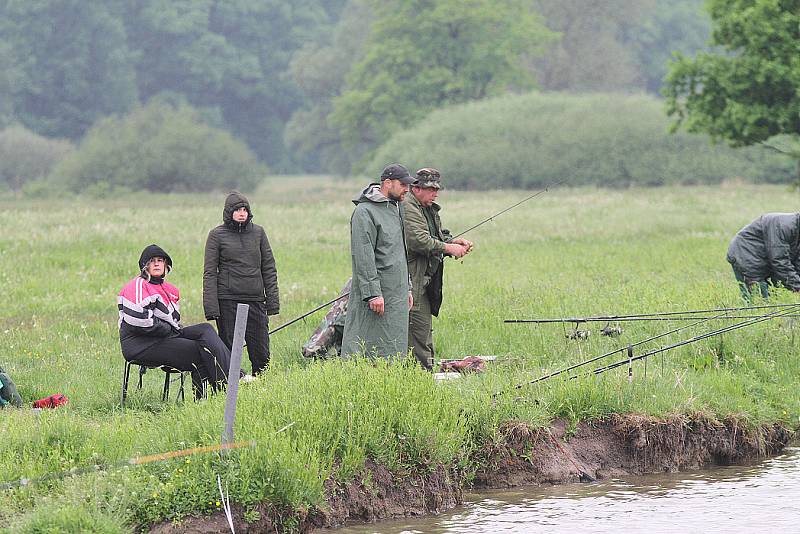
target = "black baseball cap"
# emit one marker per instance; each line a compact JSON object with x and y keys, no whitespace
{"x":395,"y":171}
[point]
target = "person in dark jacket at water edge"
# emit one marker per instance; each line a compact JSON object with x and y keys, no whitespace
{"x":150,"y":331}
{"x":766,"y":252}
{"x":239,"y":268}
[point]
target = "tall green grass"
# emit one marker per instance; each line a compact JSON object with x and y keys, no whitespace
{"x":569,"y":252}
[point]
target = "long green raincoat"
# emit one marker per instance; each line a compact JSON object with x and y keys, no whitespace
{"x":378,"y":252}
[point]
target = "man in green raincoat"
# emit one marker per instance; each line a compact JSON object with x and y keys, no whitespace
{"x":377,"y":312}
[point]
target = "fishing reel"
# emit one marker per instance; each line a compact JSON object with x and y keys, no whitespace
{"x":578,"y":334}
{"x":611,"y":331}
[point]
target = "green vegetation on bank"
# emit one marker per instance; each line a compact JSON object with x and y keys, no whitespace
{"x":569,"y":252}
{"x":608,"y":140}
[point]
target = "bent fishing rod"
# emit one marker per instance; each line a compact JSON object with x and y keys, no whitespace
{"x":343,"y":295}
{"x":686,"y":315}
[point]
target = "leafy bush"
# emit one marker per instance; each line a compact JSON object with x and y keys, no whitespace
{"x":159,"y":147}
{"x":536,"y":139}
{"x":27,"y":157}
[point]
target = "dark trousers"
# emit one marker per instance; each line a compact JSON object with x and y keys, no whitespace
{"x":420,"y":331}
{"x":256,"y":336}
{"x":746,"y":286}
{"x":196,"y":348}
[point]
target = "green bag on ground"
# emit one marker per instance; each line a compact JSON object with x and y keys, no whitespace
{"x":8,"y":391}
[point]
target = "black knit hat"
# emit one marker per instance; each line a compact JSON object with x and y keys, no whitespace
{"x":153,"y":251}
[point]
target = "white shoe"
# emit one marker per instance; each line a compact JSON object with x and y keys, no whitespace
{"x":247,"y":379}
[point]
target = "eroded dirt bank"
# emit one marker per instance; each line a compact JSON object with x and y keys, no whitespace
{"x":615,"y":446}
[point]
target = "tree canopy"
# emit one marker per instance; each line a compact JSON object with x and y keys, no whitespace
{"x":746,"y":90}
{"x":424,"y":54}
{"x":318,"y":85}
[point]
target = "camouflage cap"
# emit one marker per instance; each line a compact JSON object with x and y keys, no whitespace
{"x":429,"y":178}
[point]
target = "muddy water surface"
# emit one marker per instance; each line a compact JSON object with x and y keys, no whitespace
{"x":763,"y":497}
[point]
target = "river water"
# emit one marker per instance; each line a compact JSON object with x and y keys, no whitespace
{"x":763,"y":497}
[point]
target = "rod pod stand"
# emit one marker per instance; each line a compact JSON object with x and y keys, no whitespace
{"x":630,"y":364}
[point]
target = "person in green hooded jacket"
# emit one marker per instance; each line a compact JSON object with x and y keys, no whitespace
{"x":376,"y":324}
{"x":239,"y":267}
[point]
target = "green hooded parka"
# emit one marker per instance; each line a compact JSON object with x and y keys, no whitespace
{"x":378,"y":253}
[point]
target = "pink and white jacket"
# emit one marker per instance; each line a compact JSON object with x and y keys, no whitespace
{"x":147,"y":312}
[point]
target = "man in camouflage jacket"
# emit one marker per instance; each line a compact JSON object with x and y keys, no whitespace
{"x":428,"y":243}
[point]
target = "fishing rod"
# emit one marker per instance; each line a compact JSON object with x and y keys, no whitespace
{"x":646,"y":316}
{"x":281,"y":327}
{"x":778,"y":313}
{"x":706,"y":335}
{"x":607,"y":354}
{"x":632,"y":319}
{"x":343,"y":295}
{"x":536,"y":194}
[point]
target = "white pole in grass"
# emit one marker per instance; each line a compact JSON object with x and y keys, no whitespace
{"x":233,"y":372}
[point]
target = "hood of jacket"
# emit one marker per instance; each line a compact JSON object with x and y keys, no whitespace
{"x":371,"y":193}
{"x":153,"y":251}
{"x":233,"y":202}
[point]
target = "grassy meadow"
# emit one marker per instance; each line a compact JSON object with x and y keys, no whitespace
{"x":567,"y":252}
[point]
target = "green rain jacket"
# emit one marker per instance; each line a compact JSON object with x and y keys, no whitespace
{"x":768,"y":249}
{"x":425,"y":239}
{"x":378,"y":253}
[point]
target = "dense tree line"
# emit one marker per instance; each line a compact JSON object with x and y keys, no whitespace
{"x":746,"y":92}
{"x":318,"y":84}
{"x":68,"y":63}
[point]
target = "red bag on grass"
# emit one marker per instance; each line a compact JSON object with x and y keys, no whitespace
{"x":52,"y":401}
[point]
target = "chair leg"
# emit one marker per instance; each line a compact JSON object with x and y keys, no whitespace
{"x":180,"y":392}
{"x":165,"y":394}
{"x":126,"y":373}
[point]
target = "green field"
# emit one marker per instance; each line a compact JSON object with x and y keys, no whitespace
{"x":567,"y":252}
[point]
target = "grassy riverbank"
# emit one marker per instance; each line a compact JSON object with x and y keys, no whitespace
{"x":565,"y":253}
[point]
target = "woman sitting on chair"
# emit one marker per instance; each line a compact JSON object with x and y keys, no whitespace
{"x":150,"y":331}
